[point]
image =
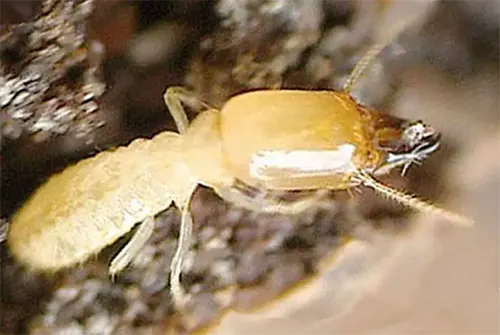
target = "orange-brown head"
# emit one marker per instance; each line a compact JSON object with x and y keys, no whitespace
{"x":398,"y":142}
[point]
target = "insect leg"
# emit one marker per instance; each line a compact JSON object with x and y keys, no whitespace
{"x":128,"y":253}
{"x":186,"y":229}
{"x":264,"y":203}
{"x":173,"y":97}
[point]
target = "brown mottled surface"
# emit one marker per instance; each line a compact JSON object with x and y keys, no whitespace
{"x":434,"y":278}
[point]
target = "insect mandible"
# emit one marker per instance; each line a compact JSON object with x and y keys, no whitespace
{"x":269,"y":139}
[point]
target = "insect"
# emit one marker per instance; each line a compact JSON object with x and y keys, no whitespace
{"x":266,"y":139}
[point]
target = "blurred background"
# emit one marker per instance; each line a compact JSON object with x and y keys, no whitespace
{"x":81,"y":76}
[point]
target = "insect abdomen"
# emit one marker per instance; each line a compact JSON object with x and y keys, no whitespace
{"x":88,"y":206}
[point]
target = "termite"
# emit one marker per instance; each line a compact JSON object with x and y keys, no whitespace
{"x":265,"y":139}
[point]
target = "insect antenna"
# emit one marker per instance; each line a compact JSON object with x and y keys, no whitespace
{"x":410,"y":200}
{"x":407,"y":16}
{"x":362,"y":64}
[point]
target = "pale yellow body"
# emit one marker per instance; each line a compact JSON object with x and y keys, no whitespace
{"x":88,"y":206}
{"x":93,"y":203}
